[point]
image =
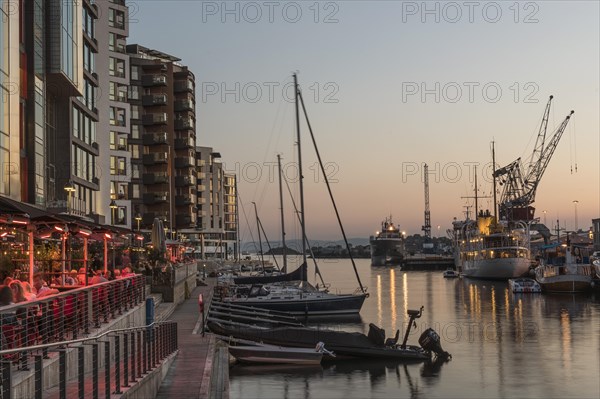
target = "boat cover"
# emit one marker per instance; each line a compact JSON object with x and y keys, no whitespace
{"x":299,"y":274}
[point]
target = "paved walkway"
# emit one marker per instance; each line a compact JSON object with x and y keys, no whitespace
{"x":189,"y":374}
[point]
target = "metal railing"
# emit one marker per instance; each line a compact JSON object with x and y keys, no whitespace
{"x":118,"y":359}
{"x":53,"y":319}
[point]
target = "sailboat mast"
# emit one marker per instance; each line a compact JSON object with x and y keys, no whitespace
{"x":262,"y":258}
{"x":494,"y":180}
{"x":282,"y":219}
{"x":300,"y":176}
{"x":476,"y":204}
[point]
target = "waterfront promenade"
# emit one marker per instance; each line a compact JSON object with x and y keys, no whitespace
{"x":191,"y":373}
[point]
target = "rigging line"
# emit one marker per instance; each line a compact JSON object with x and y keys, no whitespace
{"x":337,"y":214}
{"x":574,"y":129}
{"x":312,"y":255}
{"x":247,"y":223}
{"x":268,"y":244}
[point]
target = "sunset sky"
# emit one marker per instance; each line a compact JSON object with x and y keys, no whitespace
{"x":389,"y":86}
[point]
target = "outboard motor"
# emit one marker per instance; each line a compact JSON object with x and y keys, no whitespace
{"x":430,"y":341}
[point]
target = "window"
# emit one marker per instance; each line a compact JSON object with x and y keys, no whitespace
{"x":135,"y":112}
{"x":135,"y":131}
{"x":117,"y":116}
{"x":134,"y":92}
{"x":135,"y":72}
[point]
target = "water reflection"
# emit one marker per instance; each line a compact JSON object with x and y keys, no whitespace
{"x":503,"y":344}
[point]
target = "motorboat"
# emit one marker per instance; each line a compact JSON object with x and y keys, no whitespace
{"x":450,"y":273}
{"x":273,"y":354}
{"x":344,"y":344}
{"x":524,"y":285}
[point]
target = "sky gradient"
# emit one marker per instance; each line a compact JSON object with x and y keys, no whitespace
{"x":389,"y":86}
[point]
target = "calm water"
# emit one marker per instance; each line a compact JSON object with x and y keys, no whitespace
{"x":503,"y":344}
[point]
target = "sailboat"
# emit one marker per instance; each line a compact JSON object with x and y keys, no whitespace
{"x":299,"y":296}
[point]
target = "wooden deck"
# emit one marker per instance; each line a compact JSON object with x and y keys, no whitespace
{"x":191,"y":372}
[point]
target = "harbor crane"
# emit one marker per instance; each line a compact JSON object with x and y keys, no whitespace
{"x":521,"y":181}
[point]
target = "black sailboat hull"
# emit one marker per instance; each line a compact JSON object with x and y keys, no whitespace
{"x":342,"y":343}
{"x":328,"y":304}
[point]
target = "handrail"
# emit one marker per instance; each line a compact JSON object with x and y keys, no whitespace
{"x":76,"y":341}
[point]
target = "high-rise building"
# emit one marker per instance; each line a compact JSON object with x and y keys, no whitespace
{"x":10,"y":93}
{"x":48,"y":145}
{"x":163,"y":139}
{"x":112,"y":30}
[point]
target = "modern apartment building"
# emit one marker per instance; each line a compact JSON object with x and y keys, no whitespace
{"x":163,"y":139}
{"x":216,"y":229}
{"x":48,"y":147}
{"x":112,"y":30}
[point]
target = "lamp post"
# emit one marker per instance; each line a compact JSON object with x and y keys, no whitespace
{"x":70,"y":189}
{"x":113,"y":208}
{"x":138,"y":219}
{"x":575,"y":202}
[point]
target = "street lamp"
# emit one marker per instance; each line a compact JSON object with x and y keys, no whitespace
{"x":113,"y":208}
{"x":138,"y":219}
{"x":69,"y":188}
{"x":575,"y":202}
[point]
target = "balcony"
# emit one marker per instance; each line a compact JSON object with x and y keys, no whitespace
{"x":185,"y":181}
{"x":154,"y":158}
{"x":201,"y":162}
{"x":156,"y":198}
{"x":201,"y":187}
{"x":154,"y":80}
{"x":149,"y":100}
{"x":184,"y":221}
{"x":154,"y":138}
{"x":201,"y":201}
{"x":155,"y":178}
{"x":148,"y":217}
{"x":201,"y":175}
{"x":184,"y":200}
{"x":121,"y":147}
{"x":154,"y":119}
{"x":181,"y":144}
{"x":182,"y":124}
{"x":184,"y":162}
{"x":184,"y":105}
{"x":183,"y":86}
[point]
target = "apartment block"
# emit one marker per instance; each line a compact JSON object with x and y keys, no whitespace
{"x":163,"y":139}
{"x":114,"y":125}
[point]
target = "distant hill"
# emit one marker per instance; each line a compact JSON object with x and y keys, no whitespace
{"x":279,"y":251}
{"x":297,"y":244}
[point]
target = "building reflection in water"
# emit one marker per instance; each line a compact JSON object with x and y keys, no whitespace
{"x":379,"y":307}
{"x":394,"y":316}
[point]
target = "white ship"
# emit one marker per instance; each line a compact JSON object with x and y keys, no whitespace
{"x":486,"y":250}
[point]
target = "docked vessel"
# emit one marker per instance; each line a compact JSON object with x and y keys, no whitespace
{"x":487,"y":250}
{"x":387,"y":245}
{"x":524,"y":285}
{"x":565,"y":268}
{"x":273,"y":354}
{"x":344,"y":344}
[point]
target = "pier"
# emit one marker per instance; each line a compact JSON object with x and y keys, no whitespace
{"x":427,"y":262}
